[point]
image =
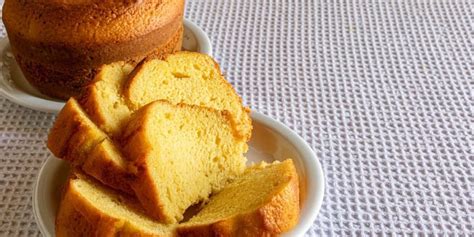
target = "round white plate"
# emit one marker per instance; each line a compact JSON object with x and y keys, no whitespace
{"x":271,"y":140}
{"x":15,"y":87}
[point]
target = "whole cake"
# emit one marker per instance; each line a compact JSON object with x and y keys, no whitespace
{"x":60,"y":44}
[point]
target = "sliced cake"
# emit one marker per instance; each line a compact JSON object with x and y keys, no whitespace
{"x":264,"y":201}
{"x":107,"y":164}
{"x":183,"y":77}
{"x":103,"y":99}
{"x":73,"y":134}
{"x":75,"y":138}
{"x":91,"y":209}
{"x":190,"y":78}
{"x":180,"y":154}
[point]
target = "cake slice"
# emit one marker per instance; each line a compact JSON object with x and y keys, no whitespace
{"x":179,"y":154}
{"x":183,"y":77}
{"x":190,"y":78}
{"x":75,"y":138}
{"x":107,"y":164}
{"x":264,"y":201}
{"x":73,"y":134}
{"x":91,"y":209}
{"x":103,"y":99}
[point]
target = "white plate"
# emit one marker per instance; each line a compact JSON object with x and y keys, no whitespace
{"x":271,"y":140}
{"x":15,"y":87}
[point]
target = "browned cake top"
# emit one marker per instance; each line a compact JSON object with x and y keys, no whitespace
{"x":71,"y":21}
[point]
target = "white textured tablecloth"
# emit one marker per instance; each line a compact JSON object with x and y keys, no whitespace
{"x":382,"y":91}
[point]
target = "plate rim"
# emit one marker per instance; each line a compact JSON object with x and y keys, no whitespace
{"x":36,"y":212}
{"x":315,"y":176}
{"x":311,"y":163}
{"x":25,"y":99}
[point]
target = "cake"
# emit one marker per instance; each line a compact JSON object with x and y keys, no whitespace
{"x":88,"y":208}
{"x":107,"y":164}
{"x":75,"y":138}
{"x":103,"y":99}
{"x":179,"y":154}
{"x":183,"y":77}
{"x":104,"y":110}
{"x":264,"y":201}
{"x":150,"y":142}
{"x":161,"y":138}
{"x":190,"y":78}
{"x":60,"y":44}
{"x":73,"y":135}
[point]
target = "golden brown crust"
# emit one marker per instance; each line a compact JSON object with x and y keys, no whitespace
{"x":53,"y":82}
{"x":59,"y":63}
{"x":77,"y":216}
{"x":136,"y":148}
{"x":76,"y":59}
{"x":103,"y":167}
{"x":75,"y":138}
{"x":278,"y":215}
{"x":73,"y":135}
{"x":70,"y":222}
{"x":119,"y":19}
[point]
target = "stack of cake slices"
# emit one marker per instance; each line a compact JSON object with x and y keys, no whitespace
{"x":158,"y":150}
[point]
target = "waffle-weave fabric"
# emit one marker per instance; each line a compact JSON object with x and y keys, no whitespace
{"x":381,"y":90}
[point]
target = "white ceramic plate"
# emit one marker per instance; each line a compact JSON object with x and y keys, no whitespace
{"x":16,"y":88}
{"x":271,"y":140}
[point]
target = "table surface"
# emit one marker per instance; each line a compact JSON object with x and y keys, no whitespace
{"x":381,"y":90}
